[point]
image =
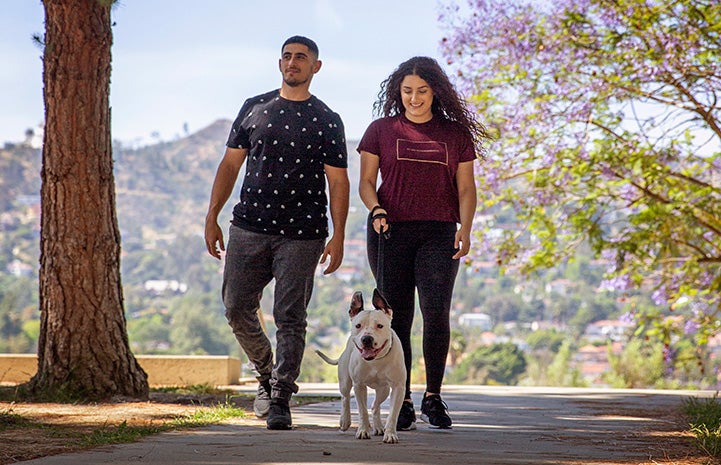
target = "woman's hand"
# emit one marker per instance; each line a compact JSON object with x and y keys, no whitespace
{"x":462,"y":243}
{"x":379,"y":219}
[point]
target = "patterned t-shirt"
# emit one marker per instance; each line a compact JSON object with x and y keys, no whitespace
{"x":418,"y":165}
{"x":288,"y":142}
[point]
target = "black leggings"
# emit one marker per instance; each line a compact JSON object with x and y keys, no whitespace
{"x":418,"y":255}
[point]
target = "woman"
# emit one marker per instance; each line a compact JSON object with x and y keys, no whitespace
{"x":424,"y":146}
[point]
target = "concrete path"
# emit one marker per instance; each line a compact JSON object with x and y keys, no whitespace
{"x":492,"y":425}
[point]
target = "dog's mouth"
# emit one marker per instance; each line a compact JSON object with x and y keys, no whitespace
{"x":370,"y":353}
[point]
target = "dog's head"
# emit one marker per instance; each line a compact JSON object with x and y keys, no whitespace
{"x":371,"y":329}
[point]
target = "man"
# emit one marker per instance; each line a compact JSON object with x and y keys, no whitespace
{"x":291,"y":143}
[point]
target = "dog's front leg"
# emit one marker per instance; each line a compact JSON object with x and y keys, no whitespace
{"x":381,"y":396}
{"x":345,"y":412}
{"x":361,"y":397}
{"x":346,"y":384}
{"x":391,"y":435}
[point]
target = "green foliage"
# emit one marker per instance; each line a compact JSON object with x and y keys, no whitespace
{"x":608,"y":136}
{"x":10,"y":420}
{"x":550,"y":360}
{"x":545,"y":340}
{"x":495,"y":364}
{"x":639,"y":365}
{"x":705,"y":423}
{"x":123,"y":433}
{"x":561,"y":372}
{"x":195,"y":330}
{"x":18,"y":315}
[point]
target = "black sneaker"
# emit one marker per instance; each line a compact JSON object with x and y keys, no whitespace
{"x":279,"y":414}
{"x":261,"y":404}
{"x":406,"y":417}
{"x":435,"y":412}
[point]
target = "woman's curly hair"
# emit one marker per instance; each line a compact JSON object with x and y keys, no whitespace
{"x":447,"y":103}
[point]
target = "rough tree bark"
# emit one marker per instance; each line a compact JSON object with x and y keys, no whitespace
{"x":83,"y":348}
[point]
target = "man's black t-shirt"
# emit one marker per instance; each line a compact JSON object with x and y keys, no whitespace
{"x":288,"y":142}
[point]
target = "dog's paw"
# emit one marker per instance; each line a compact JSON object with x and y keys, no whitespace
{"x":344,"y":422}
{"x":390,"y":437}
{"x":362,"y":433}
{"x":378,"y":431}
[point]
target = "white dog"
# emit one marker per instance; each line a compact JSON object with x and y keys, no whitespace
{"x":373,"y":358}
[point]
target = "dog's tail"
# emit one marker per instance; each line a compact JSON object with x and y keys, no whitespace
{"x":327,"y":359}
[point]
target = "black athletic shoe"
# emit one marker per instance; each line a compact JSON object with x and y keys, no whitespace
{"x":406,"y":417}
{"x":261,"y":403}
{"x":279,"y":414}
{"x":435,"y":412}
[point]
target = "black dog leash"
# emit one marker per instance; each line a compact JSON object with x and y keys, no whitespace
{"x":382,"y":234}
{"x":379,"y":280}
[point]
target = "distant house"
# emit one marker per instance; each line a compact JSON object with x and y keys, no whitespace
{"x":18,"y":268}
{"x":476,"y":320}
{"x":560,"y":286}
{"x":163,"y":286}
{"x":592,"y":361}
{"x":603,"y":330}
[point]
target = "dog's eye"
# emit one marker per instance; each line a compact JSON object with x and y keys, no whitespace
{"x":380,"y":326}
{"x":358,"y":326}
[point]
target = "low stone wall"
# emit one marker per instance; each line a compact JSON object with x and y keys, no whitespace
{"x":162,"y":370}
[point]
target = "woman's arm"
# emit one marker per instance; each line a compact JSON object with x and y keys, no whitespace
{"x":367,"y":187}
{"x":466,"y":183}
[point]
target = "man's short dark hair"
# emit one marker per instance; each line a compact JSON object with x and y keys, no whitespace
{"x":312,"y":46}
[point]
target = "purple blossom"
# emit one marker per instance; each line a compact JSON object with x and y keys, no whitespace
{"x":669,"y":354}
{"x":560,"y":83}
{"x":628,"y":318}
{"x":659,"y":296}
{"x":617,"y":283}
{"x":691,"y":327}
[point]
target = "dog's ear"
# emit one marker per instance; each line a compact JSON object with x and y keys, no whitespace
{"x":356,"y":304}
{"x":381,"y":303}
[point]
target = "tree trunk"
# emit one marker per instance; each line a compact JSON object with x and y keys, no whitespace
{"x":83,"y":348}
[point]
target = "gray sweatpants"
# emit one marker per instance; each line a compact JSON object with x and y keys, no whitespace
{"x":251,"y":262}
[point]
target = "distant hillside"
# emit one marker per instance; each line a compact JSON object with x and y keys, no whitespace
{"x":19,"y":175}
{"x":165,"y":187}
{"x":161,"y":190}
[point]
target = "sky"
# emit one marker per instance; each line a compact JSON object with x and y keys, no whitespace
{"x":183,"y":64}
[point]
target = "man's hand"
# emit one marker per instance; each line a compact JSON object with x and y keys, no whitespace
{"x":214,"y":238}
{"x":334,"y":248}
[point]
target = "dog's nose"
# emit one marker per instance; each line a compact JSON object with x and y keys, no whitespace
{"x":367,"y":341}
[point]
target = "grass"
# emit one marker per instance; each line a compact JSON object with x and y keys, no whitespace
{"x":214,"y":406}
{"x":212,"y":411}
{"x":205,"y":388}
{"x":705,"y":423}
{"x":123,"y":433}
{"x":10,"y":420}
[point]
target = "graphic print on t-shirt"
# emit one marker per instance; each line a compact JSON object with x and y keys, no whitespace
{"x":422,"y":151}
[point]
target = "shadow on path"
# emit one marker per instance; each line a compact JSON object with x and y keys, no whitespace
{"x":492,"y":425}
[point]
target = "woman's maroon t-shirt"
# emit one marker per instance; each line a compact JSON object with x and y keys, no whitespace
{"x":418,"y":165}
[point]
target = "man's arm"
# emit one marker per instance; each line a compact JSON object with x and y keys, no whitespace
{"x":339,"y":193}
{"x":223,"y":185}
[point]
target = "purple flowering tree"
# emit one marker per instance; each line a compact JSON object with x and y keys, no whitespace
{"x":606,"y":123}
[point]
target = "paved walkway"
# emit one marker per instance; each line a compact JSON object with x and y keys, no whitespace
{"x":492,"y":425}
